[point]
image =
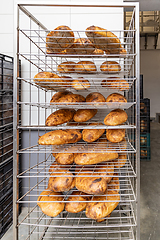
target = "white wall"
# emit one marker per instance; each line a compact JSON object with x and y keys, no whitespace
{"x":150,"y":68}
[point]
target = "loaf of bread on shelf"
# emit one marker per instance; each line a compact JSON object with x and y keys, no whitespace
{"x":51,"y":203}
{"x":115,"y":135}
{"x":85,"y":67}
{"x":95,"y":97}
{"x":48,"y":80}
{"x":71,"y":98}
{"x":77,"y":202}
{"x":61,"y":38}
{"x":59,"y":117}
{"x":93,"y":158}
{"x":98,"y":52}
{"x":116,"y":117}
{"x":60,"y":180}
{"x":89,"y":182}
{"x":120,"y":162}
{"x":81,"y":46}
{"x":103,"y":39}
{"x":91,"y":135}
{"x":58,"y":137}
{"x":66,"y":67}
{"x":80,"y":83}
{"x":110,"y":66}
{"x":58,"y":95}
{"x":83,"y":115}
{"x":116,"y":97}
{"x":68,"y":81}
{"x":115,"y":83}
{"x":64,"y":158}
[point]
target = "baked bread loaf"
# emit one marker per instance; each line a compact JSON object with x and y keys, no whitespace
{"x":48,"y":80}
{"x":59,"y":117}
{"x":116,"y":97}
{"x":66,"y":67}
{"x":91,"y":135}
{"x":103,"y":39}
{"x":98,"y":51}
{"x":60,"y":137}
{"x":71,"y":98}
{"x":62,"y":37}
{"x":110,"y":66}
{"x":80,"y":205}
{"x":120,"y":162}
{"x":80,"y":84}
{"x":58,"y":95}
{"x":81,"y":46}
{"x":106,"y":170}
{"x":115,"y":83}
{"x":88,"y":182}
{"x":93,"y":158}
{"x":85,"y":67}
{"x":115,"y":135}
{"x":47,"y":201}
{"x":60,"y":180}
{"x":95,"y":97}
{"x":116,"y":117}
{"x":83,"y":115}
{"x":64,"y":158}
{"x":68,"y":81}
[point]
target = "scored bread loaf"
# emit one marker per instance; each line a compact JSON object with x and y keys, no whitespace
{"x":85,"y":67}
{"x":116,"y":117}
{"x":59,"y":117}
{"x":110,"y":66}
{"x":91,"y":135}
{"x":115,"y":135}
{"x":83,"y":115}
{"x":51,"y":203}
{"x":116,"y":97}
{"x":66,"y":67}
{"x":60,"y":137}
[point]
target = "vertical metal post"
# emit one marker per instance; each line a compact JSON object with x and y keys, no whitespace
{"x":137,"y":67}
{"x":15,"y":119}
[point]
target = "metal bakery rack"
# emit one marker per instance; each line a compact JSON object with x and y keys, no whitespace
{"x":37,"y":55}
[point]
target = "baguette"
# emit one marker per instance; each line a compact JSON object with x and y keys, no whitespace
{"x":59,"y":117}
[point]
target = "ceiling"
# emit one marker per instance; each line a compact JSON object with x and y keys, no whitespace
{"x":147,"y":5}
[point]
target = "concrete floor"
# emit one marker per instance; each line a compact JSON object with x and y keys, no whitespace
{"x":150,"y":192}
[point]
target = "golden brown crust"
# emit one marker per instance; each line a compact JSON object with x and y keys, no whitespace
{"x":59,"y":117}
{"x":75,"y":207}
{"x":81,"y":46}
{"x":80,"y":83}
{"x":115,"y":83}
{"x":106,"y":170}
{"x":95,"y":97}
{"x":116,"y":117}
{"x":85,"y":67}
{"x":98,"y":51}
{"x":58,"y":95}
{"x":86,"y":182}
{"x":110,"y":66}
{"x":91,"y":135}
{"x":51,"y":208}
{"x":60,"y":180}
{"x":120,"y":162}
{"x":71,"y":98}
{"x":83,"y":115}
{"x":68,"y":81}
{"x":93,"y":158}
{"x":60,"y":137}
{"x":64,"y":158}
{"x":66,"y":67}
{"x":116,"y":97}
{"x":115,"y":135}
{"x":56,"y":41}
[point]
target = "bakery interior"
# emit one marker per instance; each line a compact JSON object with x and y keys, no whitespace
{"x":80,"y":120}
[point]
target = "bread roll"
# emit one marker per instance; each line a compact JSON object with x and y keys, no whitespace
{"x":80,"y":84}
{"x":95,"y":97}
{"x":101,"y":208}
{"x":81,"y":46}
{"x":60,"y":180}
{"x":115,"y":135}
{"x":91,"y":135}
{"x":110,"y":66}
{"x":66,"y":67}
{"x":116,"y":97}
{"x":85,"y":67}
{"x":62,"y":37}
{"x":86,"y":182}
{"x":76,"y":207}
{"x":93,"y":158}
{"x":60,"y":137}
{"x":59,"y":117}
{"x":49,"y":204}
{"x":116,"y":117}
{"x":64,"y":158}
{"x":58,"y":95}
{"x":120,"y":162}
{"x":115,"y":83}
{"x":83,"y":115}
{"x":71,"y":98}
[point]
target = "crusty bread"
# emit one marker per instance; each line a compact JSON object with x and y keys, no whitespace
{"x":95,"y":97}
{"x":110,"y":66}
{"x":120,"y":162}
{"x":80,"y":83}
{"x":98,"y":51}
{"x":116,"y":117}
{"x":91,"y":135}
{"x":116,"y":97}
{"x":58,"y":95}
{"x":61,"y":38}
{"x":71,"y":98}
{"x":115,"y":83}
{"x":68,"y":81}
{"x":115,"y":135}
{"x":60,"y":137}
{"x":64,"y":158}
{"x":81,"y":46}
{"x":59,"y":117}
{"x":83,"y":115}
{"x":50,"y":203}
{"x":66,"y":67}
{"x":85,"y":67}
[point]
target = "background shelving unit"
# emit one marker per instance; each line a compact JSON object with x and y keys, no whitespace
{"x":35,"y":107}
